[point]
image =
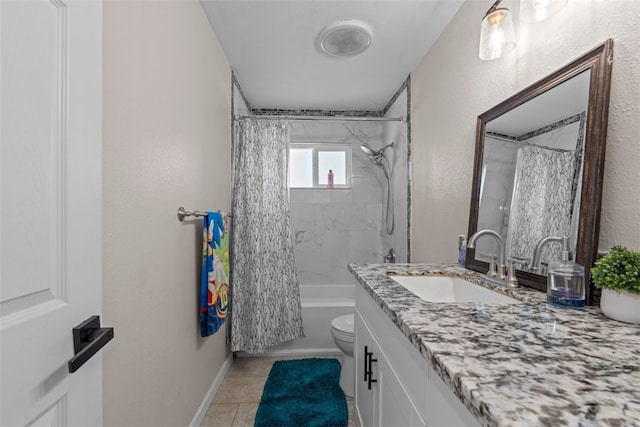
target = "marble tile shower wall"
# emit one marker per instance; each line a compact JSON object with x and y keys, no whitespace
{"x":399,"y":159}
{"x":333,"y":227}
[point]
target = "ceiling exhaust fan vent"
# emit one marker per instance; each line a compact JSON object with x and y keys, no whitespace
{"x":344,"y":38}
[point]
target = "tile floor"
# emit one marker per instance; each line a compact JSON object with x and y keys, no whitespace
{"x":237,"y":400}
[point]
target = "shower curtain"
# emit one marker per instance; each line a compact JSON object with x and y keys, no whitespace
{"x":541,"y":203}
{"x":266,"y":308}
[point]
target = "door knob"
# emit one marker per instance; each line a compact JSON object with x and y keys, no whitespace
{"x":88,"y":339}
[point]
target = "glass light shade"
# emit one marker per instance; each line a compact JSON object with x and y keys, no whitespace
{"x":497,"y":37}
{"x":538,"y":10}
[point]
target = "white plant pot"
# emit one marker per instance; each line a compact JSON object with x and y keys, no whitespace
{"x":621,"y":306}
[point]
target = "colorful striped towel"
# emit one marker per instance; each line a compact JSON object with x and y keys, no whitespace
{"x":214,"y":282}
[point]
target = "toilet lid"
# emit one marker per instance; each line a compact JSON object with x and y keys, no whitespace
{"x":343,"y":324}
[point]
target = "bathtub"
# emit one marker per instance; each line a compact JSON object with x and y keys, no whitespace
{"x":320,"y":305}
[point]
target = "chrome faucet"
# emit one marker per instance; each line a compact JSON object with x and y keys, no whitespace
{"x":537,"y":251}
{"x":501,"y":251}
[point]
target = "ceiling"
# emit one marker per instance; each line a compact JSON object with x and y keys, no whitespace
{"x":560,"y":102}
{"x":271,"y":48}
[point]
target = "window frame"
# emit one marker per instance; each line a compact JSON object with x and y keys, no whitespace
{"x":317,"y":147}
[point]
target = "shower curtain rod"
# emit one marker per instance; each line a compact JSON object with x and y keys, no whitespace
{"x":524,"y":144}
{"x":325,"y":118}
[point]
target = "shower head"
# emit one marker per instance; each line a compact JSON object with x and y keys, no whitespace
{"x":376,"y":157}
{"x":367,"y":150}
{"x":379,"y":159}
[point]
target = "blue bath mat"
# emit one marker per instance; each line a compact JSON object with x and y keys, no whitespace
{"x":303,"y":393}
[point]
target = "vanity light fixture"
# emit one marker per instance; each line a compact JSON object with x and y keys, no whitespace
{"x":344,"y":38}
{"x":538,"y":10}
{"x":497,"y":37}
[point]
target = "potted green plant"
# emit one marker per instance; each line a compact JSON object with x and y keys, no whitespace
{"x":618,"y":275}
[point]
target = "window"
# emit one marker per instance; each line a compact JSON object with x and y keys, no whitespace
{"x":310,"y":163}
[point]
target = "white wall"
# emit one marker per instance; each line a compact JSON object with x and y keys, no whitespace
{"x":452,"y":86}
{"x":167,"y":137}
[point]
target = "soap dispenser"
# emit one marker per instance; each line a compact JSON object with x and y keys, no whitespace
{"x":462,"y":250}
{"x":565,"y":281}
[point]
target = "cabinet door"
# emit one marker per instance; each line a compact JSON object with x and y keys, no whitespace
{"x":396,"y":408}
{"x":366,"y":394}
{"x":445,"y":409}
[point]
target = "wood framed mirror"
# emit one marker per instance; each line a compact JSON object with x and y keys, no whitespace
{"x":538,"y":169}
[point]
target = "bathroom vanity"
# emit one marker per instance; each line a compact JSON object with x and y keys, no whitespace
{"x":393,"y":384}
{"x":420,"y":363}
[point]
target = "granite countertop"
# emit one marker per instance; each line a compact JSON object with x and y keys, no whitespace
{"x":517,"y":364}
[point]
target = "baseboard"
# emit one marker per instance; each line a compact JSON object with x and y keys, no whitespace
{"x":208,"y":398}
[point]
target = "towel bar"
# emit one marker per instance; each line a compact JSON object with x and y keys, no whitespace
{"x":182,"y":214}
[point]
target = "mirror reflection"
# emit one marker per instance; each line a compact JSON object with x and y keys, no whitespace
{"x":538,"y":169}
{"x":531,"y":176}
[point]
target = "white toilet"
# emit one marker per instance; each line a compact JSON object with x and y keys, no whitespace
{"x":344,"y":336}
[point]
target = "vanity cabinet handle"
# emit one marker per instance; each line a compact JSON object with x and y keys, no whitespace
{"x":366,"y":364}
{"x":370,"y":371}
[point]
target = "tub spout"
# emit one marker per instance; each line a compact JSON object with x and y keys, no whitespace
{"x":390,"y":257}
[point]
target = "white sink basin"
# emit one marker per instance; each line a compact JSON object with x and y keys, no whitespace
{"x":450,"y":289}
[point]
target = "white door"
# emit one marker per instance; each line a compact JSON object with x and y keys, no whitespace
{"x":50,"y":217}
